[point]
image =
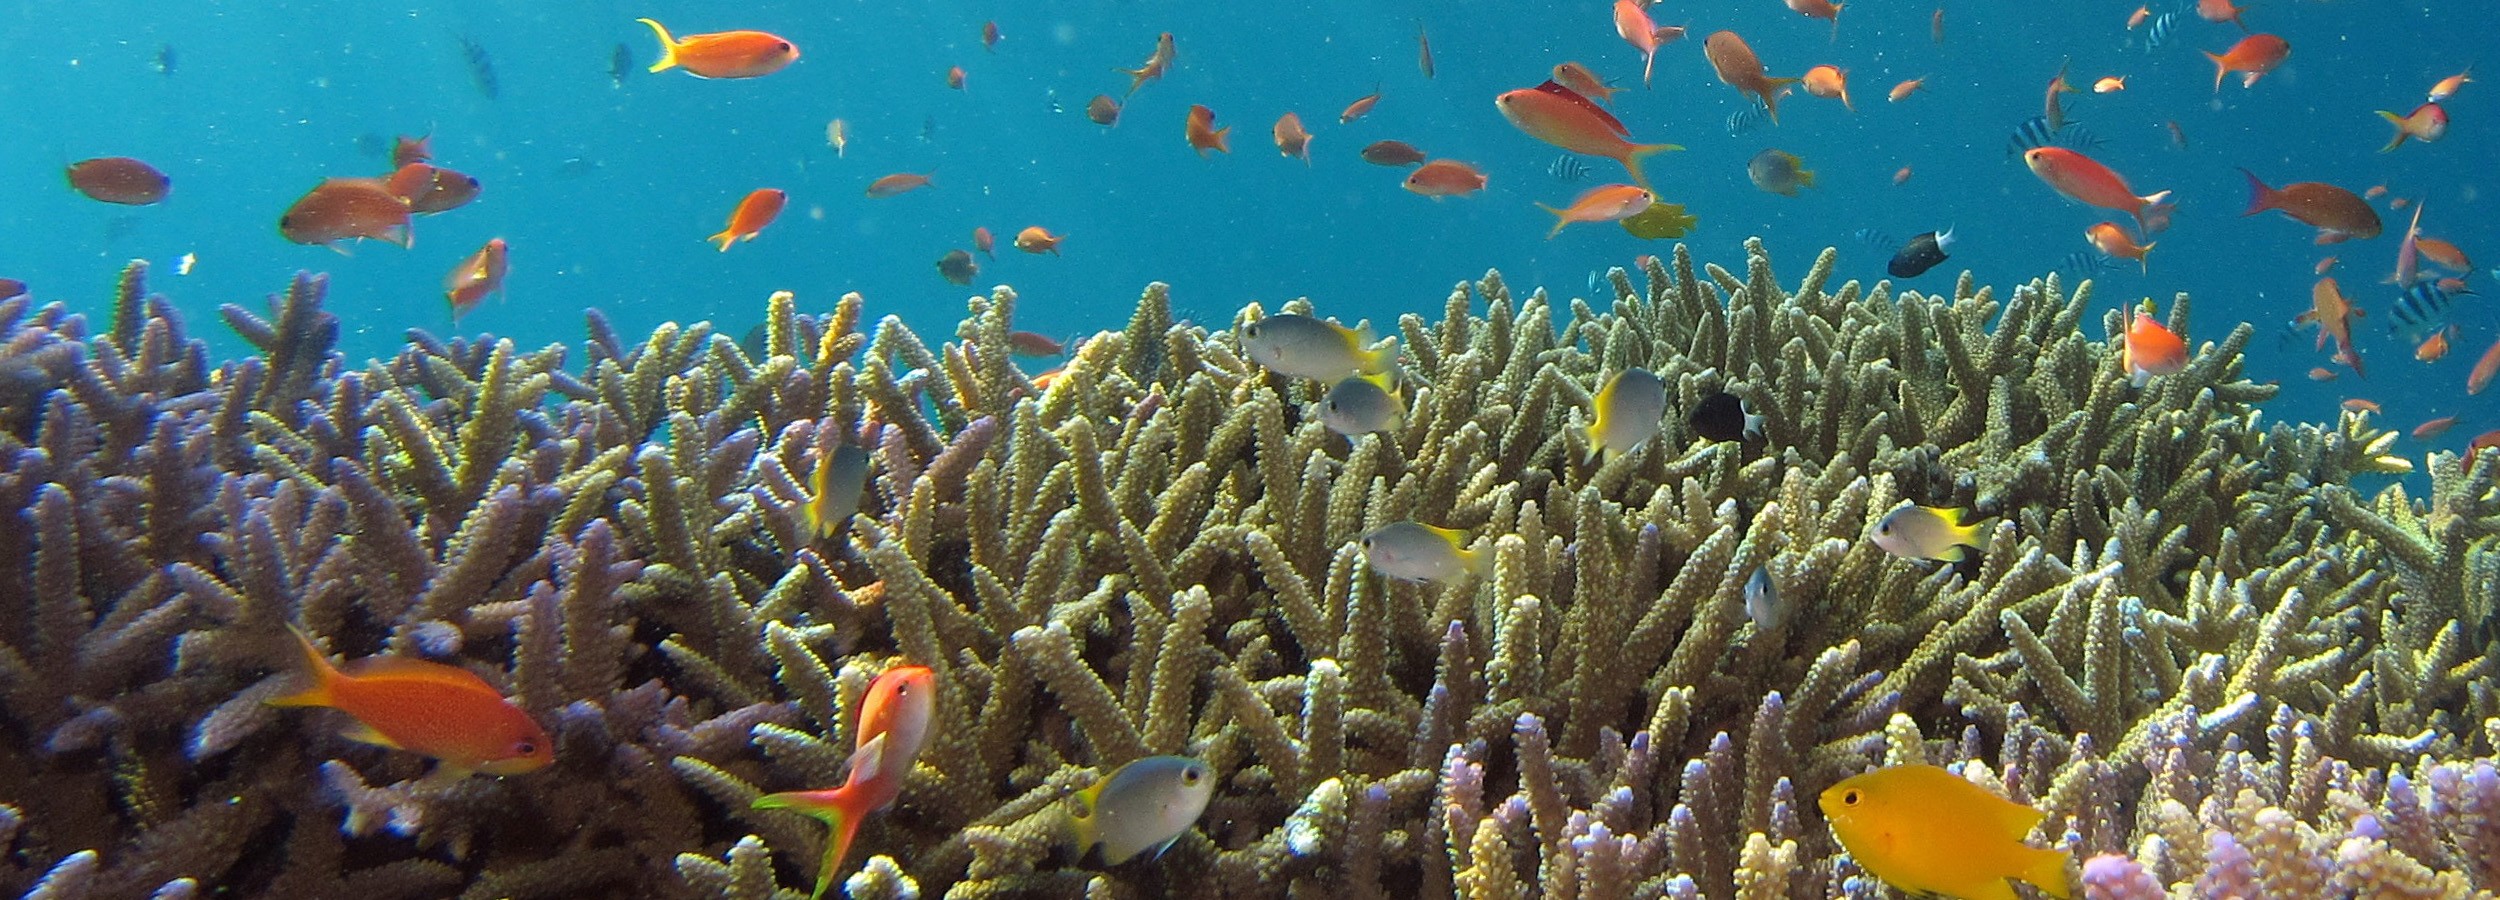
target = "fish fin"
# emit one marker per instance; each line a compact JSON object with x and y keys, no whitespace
{"x":1632,"y":159}
{"x":725,"y":238}
{"x":2401,"y":134}
{"x":2220,"y":69}
{"x":1773,"y":90}
{"x":868,"y":762}
{"x":1805,"y":177}
{"x":832,"y":807}
{"x":2047,"y":871}
{"x":445,"y":775}
{"x":2260,"y":197}
{"x":668,"y":47}
{"x":366,"y":734}
{"x":1381,"y":360}
{"x":325,"y":677}
{"x":1559,"y":220}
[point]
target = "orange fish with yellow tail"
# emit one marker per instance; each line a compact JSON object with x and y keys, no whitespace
{"x":1559,"y":116}
{"x":894,"y":722}
{"x":427,"y":708}
{"x":1739,"y":68}
{"x":2084,"y":180}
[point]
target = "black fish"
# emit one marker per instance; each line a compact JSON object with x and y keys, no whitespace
{"x":1567,"y":168}
{"x":928,"y":129}
{"x":165,"y":60}
{"x":1722,"y":417}
{"x":481,"y":67}
{"x":2035,"y":133}
{"x":958,"y":267}
{"x":620,"y":64}
{"x":1922,"y":253}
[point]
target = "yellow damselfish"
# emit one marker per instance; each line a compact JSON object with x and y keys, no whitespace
{"x":1924,"y":830}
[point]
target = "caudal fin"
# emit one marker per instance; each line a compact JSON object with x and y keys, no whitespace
{"x":2221,"y":68}
{"x":668,"y":46}
{"x":726,"y":238}
{"x":319,"y":671}
{"x":1772,"y":90}
{"x":2260,"y":197}
{"x":1632,"y":159}
{"x":2047,"y":871}
{"x":831,"y":807}
{"x":2401,"y":133}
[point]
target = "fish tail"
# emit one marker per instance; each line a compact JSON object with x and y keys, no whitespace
{"x":726,"y":237}
{"x":2047,"y":871}
{"x":1381,"y":360}
{"x":831,"y":807}
{"x":2144,"y":257}
{"x":1224,"y":143}
{"x":2260,"y":197}
{"x":325,"y":677}
{"x":1772,"y":89}
{"x":1632,"y":159}
{"x":2221,"y":68}
{"x":2401,"y":133}
{"x":1560,"y":220}
{"x":668,"y":46}
{"x":1649,"y":61}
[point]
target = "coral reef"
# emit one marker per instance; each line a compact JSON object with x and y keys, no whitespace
{"x":2218,"y":668}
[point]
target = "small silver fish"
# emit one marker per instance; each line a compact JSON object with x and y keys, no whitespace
{"x":1414,"y":551}
{"x":1363,"y":404}
{"x":1304,"y":347}
{"x":1762,"y":601}
{"x":1927,"y":532}
{"x":1148,"y":803}
{"x":1627,"y":412}
{"x":833,"y":491}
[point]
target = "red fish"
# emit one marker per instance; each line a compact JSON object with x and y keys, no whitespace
{"x":989,"y":36}
{"x":1556,"y":115}
{"x":898,"y":183}
{"x":342,"y":209}
{"x":2363,"y":405}
{"x":1445,"y":178}
{"x":723,"y":54}
{"x":2221,"y":11}
{"x":983,"y":241}
{"x":894,"y":722}
{"x":2435,"y":347}
{"x":1632,"y":22}
{"x":1291,"y":138}
{"x":2086,"y":181}
{"x":2151,"y":350}
{"x":955,"y":77}
{"x":431,"y":189}
{"x":2434,"y":428}
{"x":2484,"y":368}
{"x":2253,"y":56}
{"x":2427,"y":122}
{"x":753,"y":213}
{"x":119,"y":179}
{"x":2445,"y":254}
{"x":1819,"y":9}
{"x":1202,"y":133}
{"x":2338,"y":214}
{"x":1155,"y":65}
{"x":427,"y":708}
{"x":411,"y":150}
{"x":1026,"y":343}
{"x":479,"y":275}
{"x":2484,"y":441}
{"x":1739,"y":68}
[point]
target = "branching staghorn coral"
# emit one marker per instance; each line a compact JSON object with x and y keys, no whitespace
{"x":2172,"y":627}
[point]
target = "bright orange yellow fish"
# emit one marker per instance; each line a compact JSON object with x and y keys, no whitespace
{"x":2113,"y":240}
{"x":1925,"y":830}
{"x":427,"y":708}
{"x":1906,"y":88}
{"x":1580,"y":80}
{"x":1829,"y":82}
{"x":1819,"y":9}
{"x":2151,"y":349}
{"x":1559,"y":116}
{"x":2084,"y":180}
{"x":1202,"y":133}
{"x":2435,"y":347}
{"x":1037,"y":240}
{"x":2448,"y":87}
{"x":1361,"y":107}
{"x":893,"y":725}
{"x":1604,"y":203}
{"x":2253,"y":57}
{"x":753,"y":213}
{"x":723,"y":54}
{"x":1155,"y":65}
{"x":1633,"y":24}
{"x":2333,"y":315}
{"x":2221,"y":11}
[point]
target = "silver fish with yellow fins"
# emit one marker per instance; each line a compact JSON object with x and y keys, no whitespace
{"x":1414,"y":551}
{"x":1927,"y":532}
{"x":1304,"y":347}
{"x":1363,"y":403}
{"x":1626,"y":412}
{"x":1148,"y":803}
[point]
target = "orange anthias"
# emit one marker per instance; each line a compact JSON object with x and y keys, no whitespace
{"x":893,"y":725}
{"x":341,"y":209}
{"x":1202,"y":133}
{"x":725,"y":54}
{"x":752,"y":214}
{"x":2151,"y":350}
{"x":1156,"y":65}
{"x":1605,"y":203}
{"x":2333,"y":315}
{"x":431,"y":189}
{"x":1737,"y":66}
{"x":479,"y":275}
{"x":2253,"y":56}
{"x":2113,"y":240}
{"x":1037,"y":240}
{"x":1291,"y":138}
{"x":2338,"y":214}
{"x":1559,"y":116}
{"x":427,"y":708}
{"x":1580,"y":80}
{"x":1633,"y":23}
{"x":2086,"y":181}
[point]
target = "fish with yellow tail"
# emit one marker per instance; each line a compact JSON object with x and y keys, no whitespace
{"x":427,"y":708}
{"x":1626,"y":413}
{"x":893,"y":725}
{"x":1562,"y":117}
{"x":833,"y":489}
{"x":1927,"y":831}
{"x":1363,"y":403}
{"x":1146,"y":804}
{"x":1928,"y":532}
{"x":1304,"y":347}
{"x":1414,"y":551}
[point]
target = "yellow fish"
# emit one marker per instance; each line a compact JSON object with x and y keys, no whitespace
{"x":1924,"y":830}
{"x":1927,"y":532}
{"x":833,"y":491}
{"x":1628,"y":409}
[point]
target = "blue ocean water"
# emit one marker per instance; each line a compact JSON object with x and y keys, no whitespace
{"x":605,"y":188}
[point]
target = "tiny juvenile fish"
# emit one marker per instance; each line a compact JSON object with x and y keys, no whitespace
{"x":1925,"y":830}
{"x":1722,"y":417}
{"x":476,"y":277}
{"x":1927,"y":532}
{"x":1762,"y":601}
{"x":1414,"y":551}
{"x":1146,"y":804}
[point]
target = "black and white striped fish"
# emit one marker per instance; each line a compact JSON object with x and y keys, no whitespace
{"x":2159,"y":33}
{"x":1567,"y":168}
{"x":1875,"y":238}
{"x":2035,"y":133}
{"x":2423,"y":309}
{"x":1747,"y":119}
{"x":2087,"y":263}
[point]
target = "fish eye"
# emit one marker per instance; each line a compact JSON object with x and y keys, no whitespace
{"x":783,"y":46}
{"x":1251,"y":329}
{"x":1849,"y":798}
{"x":526,"y":748}
{"x":286,"y":221}
{"x":1883,"y":528}
{"x":1192,"y":774}
{"x":903,"y":689}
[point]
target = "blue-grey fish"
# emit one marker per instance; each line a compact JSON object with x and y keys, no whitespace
{"x":620,"y":64}
{"x":1762,"y":601}
{"x":833,"y":491}
{"x":1148,"y":803}
{"x":1304,"y":347}
{"x":481,"y":67}
{"x":2159,"y":34}
{"x":1875,"y":237}
{"x":1363,"y":404}
{"x":1414,"y":551}
{"x":1626,"y":412}
{"x":1747,"y":119}
{"x":2423,"y":309}
{"x":1567,"y":167}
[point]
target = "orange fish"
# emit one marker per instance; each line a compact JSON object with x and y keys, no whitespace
{"x":2399,"y":202}
{"x":2435,"y":347}
{"x":2448,"y":87}
{"x":2321,"y":373}
{"x":2151,"y":350}
{"x":2434,"y":428}
{"x":899,"y":183}
{"x":989,"y":36}
{"x":1907,"y":88}
{"x":427,"y":708}
{"x":749,"y":219}
{"x":2137,"y":18}
{"x":1359,"y":108}
{"x":955,"y":77}
{"x":1155,"y":65}
{"x":2112,"y":240}
{"x":1605,"y":203}
{"x":2333,"y":315}
{"x":2253,"y":56}
{"x":1819,"y":9}
{"x":1291,"y":139}
{"x":723,"y":54}
{"x":2484,"y":441}
{"x":2484,"y":368}
{"x":2221,"y":11}
{"x":341,"y":209}
{"x":1103,"y":110}
{"x":119,"y":179}
{"x":1829,"y":82}
{"x":2359,"y":405}
{"x":1445,"y":178}
{"x":1392,"y":153}
{"x":982,"y":241}
{"x":407,"y":150}
{"x":1559,"y":116}
{"x":2110,"y":85}
{"x":1580,"y":80}
{"x":2086,"y":181}
{"x":1739,"y":68}
{"x":479,"y":275}
{"x":1026,"y":343}
{"x":1901,"y":176}
{"x":894,"y":720}
{"x":1632,"y":22}
{"x":2324,"y":265}
{"x":2445,"y":254}
{"x":2375,"y":191}
{"x":1202,"y":133}
{"x":1038,"y":240}
{"x":431,"y":189}
{"x":2427,"y":122}
{"x":2338,"y":214}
